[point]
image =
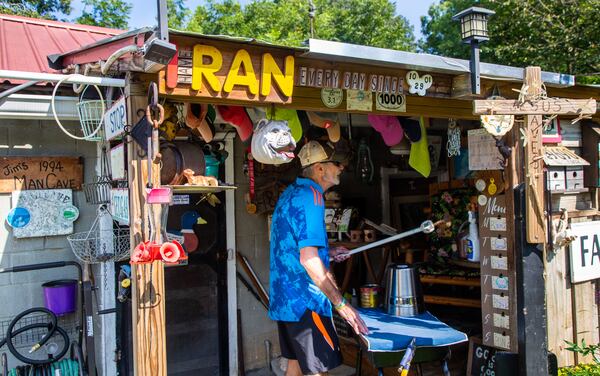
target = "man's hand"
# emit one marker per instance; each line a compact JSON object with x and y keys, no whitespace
{"x":339,"y":254}
{"x":352,"y":317}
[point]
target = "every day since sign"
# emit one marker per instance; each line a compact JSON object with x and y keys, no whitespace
{"x":585,"y":251}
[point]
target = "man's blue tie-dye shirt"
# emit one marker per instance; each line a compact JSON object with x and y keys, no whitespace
{"x":298,"y":222}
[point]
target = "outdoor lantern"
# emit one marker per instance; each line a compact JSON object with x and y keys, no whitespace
{"x":473,"y":29}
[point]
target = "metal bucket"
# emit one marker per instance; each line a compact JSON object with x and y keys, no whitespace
{"x":403,"y":295}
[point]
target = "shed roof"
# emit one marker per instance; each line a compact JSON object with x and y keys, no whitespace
{"x":25,"y":42}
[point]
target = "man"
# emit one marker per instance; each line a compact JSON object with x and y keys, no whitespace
{"x":302,"y":289}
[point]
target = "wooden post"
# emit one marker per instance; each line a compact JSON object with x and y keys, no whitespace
{"x":148,"y":290}
{"x":534,"y":164}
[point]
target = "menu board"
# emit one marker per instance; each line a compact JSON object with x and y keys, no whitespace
{"x":483,"y":152}
{"x":497,"y":275}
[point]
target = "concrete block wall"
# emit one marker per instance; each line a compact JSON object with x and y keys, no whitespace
{"x":20,"y":291}
{"x":252,"y":240}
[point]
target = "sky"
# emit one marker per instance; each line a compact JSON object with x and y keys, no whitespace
{"x":143,"y":12}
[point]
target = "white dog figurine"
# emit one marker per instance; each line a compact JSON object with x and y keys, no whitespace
{"x":272,"y":142}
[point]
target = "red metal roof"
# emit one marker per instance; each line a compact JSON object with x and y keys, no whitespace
{"x":25,"y":42}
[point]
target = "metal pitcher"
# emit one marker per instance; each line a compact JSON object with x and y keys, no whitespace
{"x":403,"y":295}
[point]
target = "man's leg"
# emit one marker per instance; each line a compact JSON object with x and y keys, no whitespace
{"x":293,"y":368}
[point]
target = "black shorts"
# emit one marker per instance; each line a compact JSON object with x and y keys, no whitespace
{"x":312,"y":341}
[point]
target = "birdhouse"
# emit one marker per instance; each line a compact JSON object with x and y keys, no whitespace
{"x":565,"y":169}
{"x":591,"y":152}
{"x":556,"y":178}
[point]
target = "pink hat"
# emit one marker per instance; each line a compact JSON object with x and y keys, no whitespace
{"x":389,"y":127}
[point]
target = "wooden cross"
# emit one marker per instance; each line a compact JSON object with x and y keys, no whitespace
{"x":533,"y":109}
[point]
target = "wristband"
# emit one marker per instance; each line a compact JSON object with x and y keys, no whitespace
{"x":340,"y":305}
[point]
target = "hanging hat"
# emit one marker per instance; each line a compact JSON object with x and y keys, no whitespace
{"x":272,"y":142}
{"x":238,"y":118}
{"x":316,"y":151}
{"x":419,"y":153}
{"x":291,"y":116}
{"x":195,"y":118}
{"x":412,"y":129}
{"x":389,"y":127}
{"x":326,"y":120}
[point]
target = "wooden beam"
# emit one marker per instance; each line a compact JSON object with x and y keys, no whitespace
{"x":534,"y":164}
{"x":148,"y":292}
{"x":559,"y":106}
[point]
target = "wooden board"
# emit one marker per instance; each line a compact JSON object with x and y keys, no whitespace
{"x":560,"y":106}
{"x":25,"y":173}
{"x":148,"y":290}
{"x":558,"y":306}
{"x":534,"y":180}
{"x":498,"y":285}
{"x":585,"y":317}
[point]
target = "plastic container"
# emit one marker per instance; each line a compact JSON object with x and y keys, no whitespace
{"x":60,"y":296}
{"x":472,"y":241}
{"x":212,"y":166}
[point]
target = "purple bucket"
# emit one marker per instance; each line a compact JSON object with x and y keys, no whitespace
{"x":61,"y":296}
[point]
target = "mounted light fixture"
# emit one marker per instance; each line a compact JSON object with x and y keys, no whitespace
{"x":473,"y":30}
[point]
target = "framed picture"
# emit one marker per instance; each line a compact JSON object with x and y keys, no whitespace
{"x":551,"y":133}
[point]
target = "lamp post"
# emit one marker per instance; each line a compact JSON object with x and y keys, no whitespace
{"x":473,"y":30}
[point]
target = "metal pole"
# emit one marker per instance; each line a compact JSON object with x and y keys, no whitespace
{"x":51,"y":77}
{"x":426,"y":227}
{"x":474,"y":65}
{"x":163,"y":20}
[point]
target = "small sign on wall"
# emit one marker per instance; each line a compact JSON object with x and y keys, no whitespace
{"x":119,"y":205}
{"x":115,"y":119}
{"x":117,"y":162}
{"x":44,"y":212}
{"x":24,"y":173}
{"x":585,"y":251}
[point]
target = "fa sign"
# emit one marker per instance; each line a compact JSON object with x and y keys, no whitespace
{"x":585,"y":251}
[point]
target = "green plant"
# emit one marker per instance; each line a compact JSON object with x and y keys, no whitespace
{"x":580,"y":370}
{"x":585,"y":350}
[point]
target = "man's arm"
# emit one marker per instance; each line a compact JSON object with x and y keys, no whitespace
{"x":309,"y":258}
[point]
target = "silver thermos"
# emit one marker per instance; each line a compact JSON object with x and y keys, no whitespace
{"x":403,"y":296}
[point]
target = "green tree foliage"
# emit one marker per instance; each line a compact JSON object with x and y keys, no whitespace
{"x":178,"y":14}
{"x":558,"y":35}
{"x":106,"y":13}
{"x":367,"y":22}
{"x":35,"y":8}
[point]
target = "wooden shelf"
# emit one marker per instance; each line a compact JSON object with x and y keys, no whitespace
{"x":200,"y":189}
{"x":578,"y":213}
{"x":453,"y":281}
{"x":456,"y":302}
{"x":573,"y":192}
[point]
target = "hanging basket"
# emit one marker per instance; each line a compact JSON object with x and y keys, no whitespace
{"x":91,"y":112}
{"x":96,"y":245}
{"x":98,"y":192}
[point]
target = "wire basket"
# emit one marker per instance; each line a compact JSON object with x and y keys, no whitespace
{"x":98,"y":192}
{"x":91,"y":112}
{"x":96,"y":245}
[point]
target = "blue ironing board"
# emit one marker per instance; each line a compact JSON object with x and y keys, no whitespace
{"x":393,"y":333}
{"x":389,"y":336}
